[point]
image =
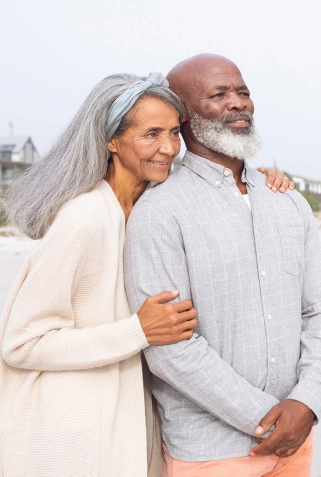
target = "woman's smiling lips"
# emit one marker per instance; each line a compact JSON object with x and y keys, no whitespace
{"x":160,"y":164}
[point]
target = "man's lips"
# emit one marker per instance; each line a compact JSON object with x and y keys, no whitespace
{"x":239,"y":122}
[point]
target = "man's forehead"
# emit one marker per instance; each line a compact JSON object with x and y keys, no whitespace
{"x":217,"y":80}
{"x":198,"y":74}
{"x":234,"y":77}
{"x":213,"y":71}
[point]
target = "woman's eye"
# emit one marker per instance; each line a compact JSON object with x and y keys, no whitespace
{"x":152,"y":134}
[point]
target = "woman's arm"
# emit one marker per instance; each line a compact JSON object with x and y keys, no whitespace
{"x":40,"y":333}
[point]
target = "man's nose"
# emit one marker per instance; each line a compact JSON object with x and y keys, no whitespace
{"x":235,"y":101}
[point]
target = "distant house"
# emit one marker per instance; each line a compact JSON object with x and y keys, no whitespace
{"x":17,"y":153}
{"x":304,"y":184}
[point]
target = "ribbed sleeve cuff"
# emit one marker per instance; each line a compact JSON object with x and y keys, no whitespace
{"x":138,"y":333}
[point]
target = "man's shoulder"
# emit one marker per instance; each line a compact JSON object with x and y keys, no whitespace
{"x":259,"y":179}
{"x":172,"y":187}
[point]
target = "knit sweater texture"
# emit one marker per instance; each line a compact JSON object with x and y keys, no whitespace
{"x":72,"y":397}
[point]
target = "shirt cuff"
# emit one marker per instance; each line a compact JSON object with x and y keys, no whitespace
{"x":309,"y":393}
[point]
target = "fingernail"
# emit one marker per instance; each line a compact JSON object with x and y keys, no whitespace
{"x":269,"y":185}
{"x":259,"y":430}
{"x":274,"y":189}
{"x":175,"y":292}
{"x":252,"y":453}
{"x":282,"y":189}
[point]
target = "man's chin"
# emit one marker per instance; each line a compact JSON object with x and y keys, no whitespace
{"x":240,"y":131}
{"x":238,"y":152}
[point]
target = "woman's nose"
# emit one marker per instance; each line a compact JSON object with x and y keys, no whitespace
{"x":167,"y":146}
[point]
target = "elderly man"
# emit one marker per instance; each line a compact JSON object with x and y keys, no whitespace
{"x":240,"y":397}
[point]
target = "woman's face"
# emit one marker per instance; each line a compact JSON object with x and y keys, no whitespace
{"x":148,"y":147}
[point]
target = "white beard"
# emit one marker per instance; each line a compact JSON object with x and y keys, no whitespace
{"x":217,"y":137}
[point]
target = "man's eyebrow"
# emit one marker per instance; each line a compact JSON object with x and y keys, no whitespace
{"x":225,"y":88}
{"x":242,"y":87}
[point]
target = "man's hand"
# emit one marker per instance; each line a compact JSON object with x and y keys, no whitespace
{"x":276,"y":180}
{"x":293,"y":422}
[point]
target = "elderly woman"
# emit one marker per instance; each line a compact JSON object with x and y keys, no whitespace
{"x":72,"y":397}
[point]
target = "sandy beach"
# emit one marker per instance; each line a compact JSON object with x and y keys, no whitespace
{"x":14,"y":249}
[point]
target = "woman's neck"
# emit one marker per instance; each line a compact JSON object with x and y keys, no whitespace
{"x":125,"y":186}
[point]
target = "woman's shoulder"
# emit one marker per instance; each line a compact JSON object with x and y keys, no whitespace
{"x":77,"y":228}
{"x":78,"y":217}
{"x":87,"y":218}
{"x":89,"y":206}
{"x":86,"y":203}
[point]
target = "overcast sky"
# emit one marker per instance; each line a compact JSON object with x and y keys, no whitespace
{"x":53,"y":53}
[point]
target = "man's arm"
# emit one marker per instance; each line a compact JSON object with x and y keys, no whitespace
{"x":294,"y":417}
{"x":155,"y":260}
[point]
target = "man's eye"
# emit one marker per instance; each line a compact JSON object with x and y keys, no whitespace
{"x":217,"y":95}
{"x":245,"y":94}
{"x":152,"y":134}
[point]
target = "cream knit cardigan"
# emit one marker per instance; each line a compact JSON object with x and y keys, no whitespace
{"x":71,"y":391}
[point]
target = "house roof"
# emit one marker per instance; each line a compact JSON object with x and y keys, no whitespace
{"x":18,"y":142}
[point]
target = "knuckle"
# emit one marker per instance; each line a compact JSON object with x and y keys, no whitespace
{"x":173,"y":319}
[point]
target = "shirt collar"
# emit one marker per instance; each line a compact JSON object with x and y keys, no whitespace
{"x":212,"y":171}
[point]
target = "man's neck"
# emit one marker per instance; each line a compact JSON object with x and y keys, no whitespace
{"x":235,"y":165}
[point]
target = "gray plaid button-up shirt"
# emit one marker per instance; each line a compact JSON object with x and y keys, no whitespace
{"x":254,"y":277}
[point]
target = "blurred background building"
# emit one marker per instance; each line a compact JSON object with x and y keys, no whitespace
{"x":17,"y":153}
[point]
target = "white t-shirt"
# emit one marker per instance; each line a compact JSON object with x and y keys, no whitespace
{"x":247,"y":200}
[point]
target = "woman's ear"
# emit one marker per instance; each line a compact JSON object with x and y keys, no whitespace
{"x":111,"y":145}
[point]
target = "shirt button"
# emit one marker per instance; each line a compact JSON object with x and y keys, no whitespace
{"x":256,"y":232}
{"x":217,"y":182}
{"x":226,"y":173}
{"x":263,"y":273}
{"x":269,"y":317}
{"x":236,"y":194}
{"x":272,"y":359}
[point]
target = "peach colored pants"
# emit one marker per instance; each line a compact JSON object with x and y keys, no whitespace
{"x":298,"y":465}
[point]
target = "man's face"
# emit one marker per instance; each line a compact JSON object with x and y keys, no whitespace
{"x":221,"y":94}
{"x":221,"y":110}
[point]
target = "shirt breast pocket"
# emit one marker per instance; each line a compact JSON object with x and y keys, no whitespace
{"x":292,"y":247}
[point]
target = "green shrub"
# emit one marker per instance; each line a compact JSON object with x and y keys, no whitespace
{"x":3,"y":217}
{"x":313,"y":201}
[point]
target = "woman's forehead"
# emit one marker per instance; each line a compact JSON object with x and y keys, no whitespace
{"x":150,"y":107}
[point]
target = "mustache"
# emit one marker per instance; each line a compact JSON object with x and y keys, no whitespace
{"x":238,"y":114}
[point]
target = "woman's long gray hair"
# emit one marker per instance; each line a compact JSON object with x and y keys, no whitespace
{"x":76,"y":162}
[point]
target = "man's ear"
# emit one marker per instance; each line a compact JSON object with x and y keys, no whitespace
{"x":186,"y":116}
{"x":111,"y":145}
